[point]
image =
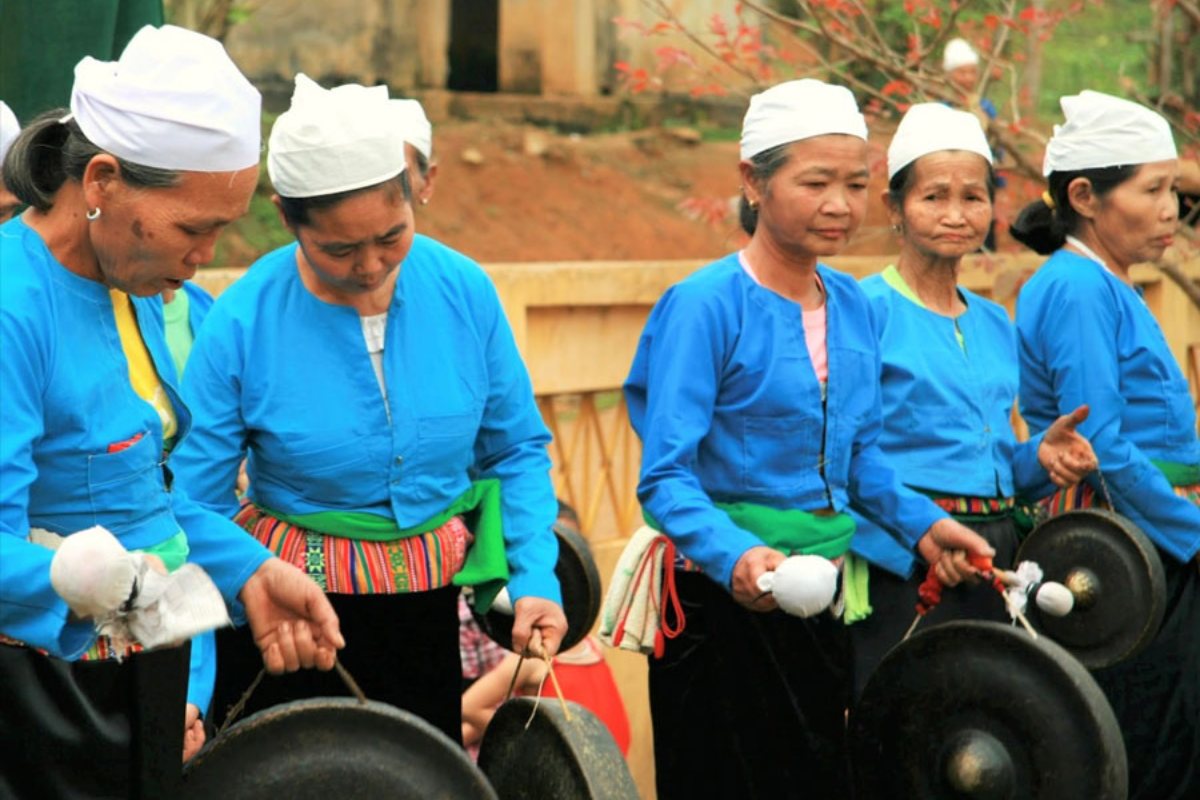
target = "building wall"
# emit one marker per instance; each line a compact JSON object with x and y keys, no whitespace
{"x":555,"y":47}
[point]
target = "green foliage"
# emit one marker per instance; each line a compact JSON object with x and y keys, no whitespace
{"x":1094,"y":50}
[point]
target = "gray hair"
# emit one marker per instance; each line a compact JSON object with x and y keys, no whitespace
{"x":51,"y":151}
{"x":762,"y":167}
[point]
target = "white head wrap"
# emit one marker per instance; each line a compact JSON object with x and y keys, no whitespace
{"x":334,"y":140}
{"x":1106,"y":131}
{"x":174,"y":100}
{"x":415,"y":126}
{"x":931,"y":127}
{"x":9,"y":128}
{"x":958,"y":53}
{"x":795,"y":110}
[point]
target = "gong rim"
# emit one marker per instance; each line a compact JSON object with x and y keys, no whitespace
{"x":326,"y":747}
{"x":939,"y":701}
{"x":1116,"y":576}
{"x":582,"y":597}
{"x":531,"y":750}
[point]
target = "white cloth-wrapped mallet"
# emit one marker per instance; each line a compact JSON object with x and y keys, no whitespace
{"x":93,"y":572}
{"x":802,"y":585}
{"x":1054,"y":599}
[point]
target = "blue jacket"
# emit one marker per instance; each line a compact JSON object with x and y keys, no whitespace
{"x":728,"y":406}
{"x":285,"y":376}
{"x":947,"y":411}
{"x":66,"y":396}
{"x":1087,"y":337}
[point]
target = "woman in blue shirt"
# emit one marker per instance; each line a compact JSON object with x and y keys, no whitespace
{"x":755,"y":393}
{"x":127,"y":194}
{"x":1086,"y":336}
{"x":949,"y":381}
{"x":371,"y":377}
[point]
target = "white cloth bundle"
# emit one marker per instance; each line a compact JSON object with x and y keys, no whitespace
{"x":803,"y":586}
{"x":128,"y":599}
{"x":631,"y":617}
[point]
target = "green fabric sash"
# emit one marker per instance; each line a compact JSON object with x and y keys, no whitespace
{"x":1178,"y":474}
{"x":173,"y":551}
{"x":486,"y":565}
{"x":856,"y":575}
{"x":791,"y":531}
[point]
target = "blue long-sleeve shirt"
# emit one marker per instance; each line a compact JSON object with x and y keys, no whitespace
{"x":1087,"y":337}
{"x":65,"y":396}
{"x":726,"y":401}
{"x":286,"y":377}
{"x":947,"y":409}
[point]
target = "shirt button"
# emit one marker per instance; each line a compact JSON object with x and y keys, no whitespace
{"x":399,"y":459}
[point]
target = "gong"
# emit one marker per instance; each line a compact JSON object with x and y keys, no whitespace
{"x":581,"y":593}
{"x":333,"y":748}
{"x":551,"y":757}
{"x":1115,"y":575}
{"x":982,"y":710}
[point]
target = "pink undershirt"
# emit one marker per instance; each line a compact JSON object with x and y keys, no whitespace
{"x":814,"y":326}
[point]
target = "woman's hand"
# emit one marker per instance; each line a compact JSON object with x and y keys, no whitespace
{"x":947,"y":544}
{"x":755,"y":562}
{"x":1065,"y":454}
{"x":193,"y":731}
{"x":291,"y":619}
{"x":546,"y":618}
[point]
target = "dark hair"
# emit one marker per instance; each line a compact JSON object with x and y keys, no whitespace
{"x":762,"y":166}
{"x":1044,"y":229}
{"x":901,"y":183}
{"x":296,"y":210}
{"x":422,"y":163}
{"x":48,"y":153}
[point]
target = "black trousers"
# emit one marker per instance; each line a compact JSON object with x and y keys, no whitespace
{"x":401,"y":649}
{"x":894,"y":600}
{"x":1156,"y":696}
{"x":77,"y":729}
{"x":749,"y":705}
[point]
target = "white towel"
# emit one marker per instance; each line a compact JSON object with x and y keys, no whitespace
{"x":632,"y":614}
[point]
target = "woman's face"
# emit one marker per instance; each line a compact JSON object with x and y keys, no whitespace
{"x":148,"y":240}
{"x":813,"y":204}
{"x":356,"y":246}
{"x":1136,"y":221}
{"x":947,"y":210}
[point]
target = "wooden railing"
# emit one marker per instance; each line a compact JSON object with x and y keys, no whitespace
{"x":577,"y":326}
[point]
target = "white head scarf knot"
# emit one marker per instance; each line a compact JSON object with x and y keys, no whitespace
{"x":931,"y":127}
{"x":415,"y":126}
{"x":174,"y":100}
{"x":795,"y":110}
{"x":9,"y":129}
{"x":1105,"y":131}
{"x":334,"y":140}
{"x":958,"y":53}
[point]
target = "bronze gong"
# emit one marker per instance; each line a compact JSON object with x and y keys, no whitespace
{"x":982,"y":710}
{"x":1114,"y":573}
{"x":582,"y":593}
{"x":553,"y":758}
{"x":331,"y":748}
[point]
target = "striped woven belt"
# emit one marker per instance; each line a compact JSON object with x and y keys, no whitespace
{"x":976,"y":506}
{"x":341,"y":565}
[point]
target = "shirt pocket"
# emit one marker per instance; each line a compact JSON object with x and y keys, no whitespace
{"x":127,"y":486}
{"x":779,"y":452}
{"x":1179,"y":426}
{"x":445,"y":451}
